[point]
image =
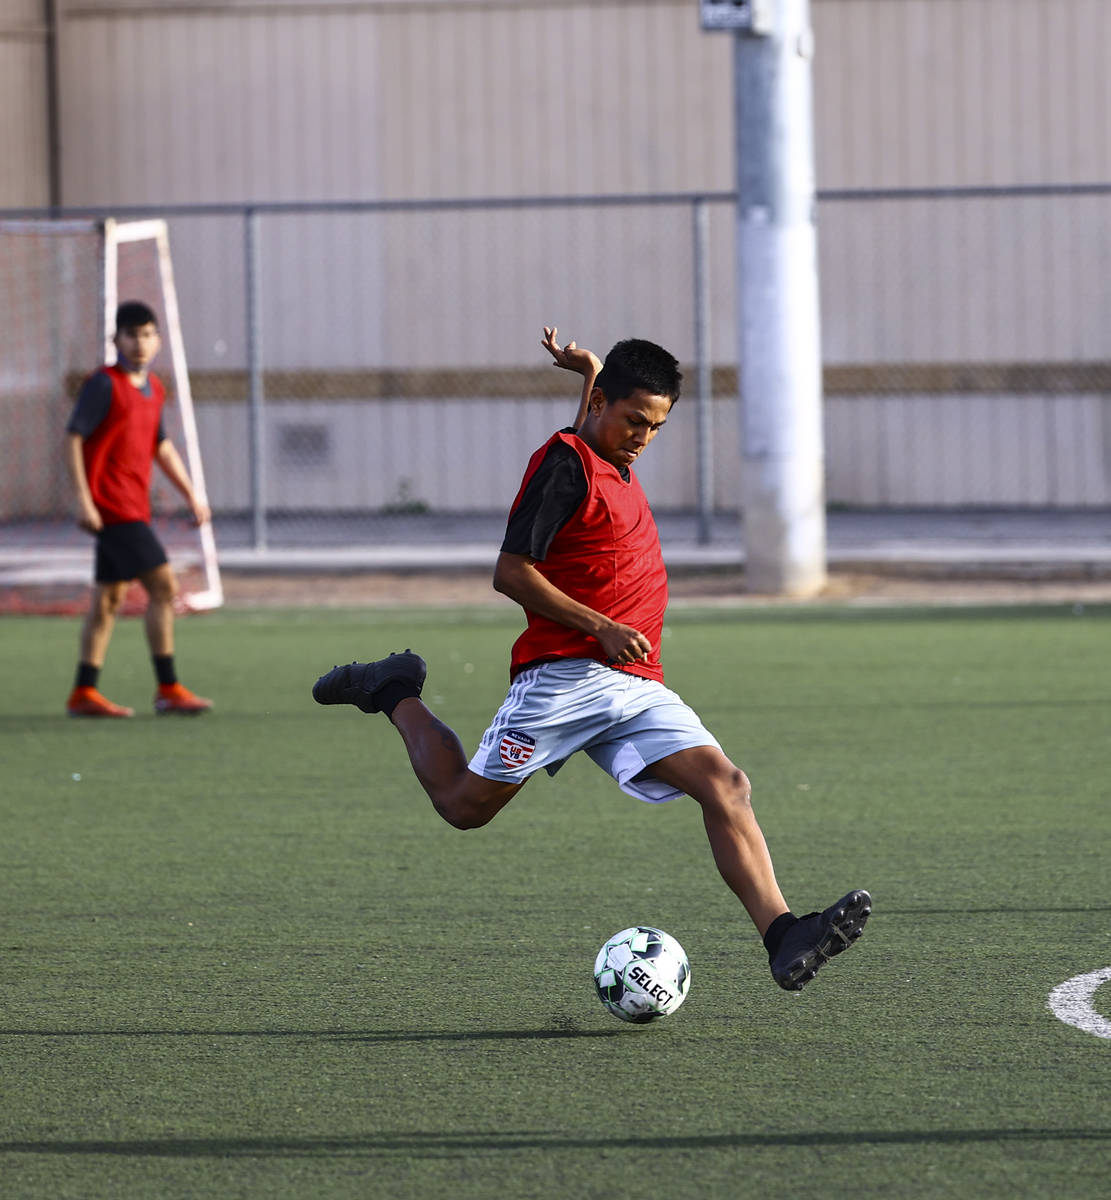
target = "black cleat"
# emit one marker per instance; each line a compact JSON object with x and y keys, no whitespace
{"x":817,"y":937}
{"x":358,"y":683}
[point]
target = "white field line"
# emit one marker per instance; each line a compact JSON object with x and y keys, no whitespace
{"x":1071,"y":1002}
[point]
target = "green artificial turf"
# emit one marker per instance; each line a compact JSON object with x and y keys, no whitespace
{"x":241,"y":956}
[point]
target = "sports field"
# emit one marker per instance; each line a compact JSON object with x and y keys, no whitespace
{"x":240,"y":956}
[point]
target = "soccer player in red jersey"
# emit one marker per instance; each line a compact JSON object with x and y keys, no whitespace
{"x":113,"y":437}
{"x":581,"y":555}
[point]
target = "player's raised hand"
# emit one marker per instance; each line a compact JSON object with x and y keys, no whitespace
{"x":570,"y":357}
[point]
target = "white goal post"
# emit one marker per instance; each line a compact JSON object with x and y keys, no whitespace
{"x":60,"y":285}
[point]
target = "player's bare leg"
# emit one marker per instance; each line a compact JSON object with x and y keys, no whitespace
{"x":161,"y":589}
{"x":96,"y":633}
{"x":461,"y":797}
{"x":171,"y":698}
{"x":797,"y":946}
{"x":392,"y":685}
{"x":100,"y":621}
{"x":740,"y":851}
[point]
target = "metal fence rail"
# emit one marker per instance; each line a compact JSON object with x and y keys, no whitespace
{"x":365,"y":359}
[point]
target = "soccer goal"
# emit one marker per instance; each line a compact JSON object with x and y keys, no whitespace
{"x":60,"y":284}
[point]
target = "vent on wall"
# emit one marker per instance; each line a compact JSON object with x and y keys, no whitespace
{"x":304,"y":445}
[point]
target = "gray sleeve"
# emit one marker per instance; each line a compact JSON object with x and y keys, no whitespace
{"x":549,"y":501}
{"x":93,"y":403}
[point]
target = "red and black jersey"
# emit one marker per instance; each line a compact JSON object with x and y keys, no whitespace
{"x":605,"y":554}
{"x":121,"y":426}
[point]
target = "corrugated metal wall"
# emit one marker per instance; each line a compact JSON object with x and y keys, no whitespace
{"x":170,"y":101}
{"x":987,"y":451}
{"x":372,"y":101}
{"x":24,"y":136}
{"x":181,"y":102}
{"x":935,"y":93}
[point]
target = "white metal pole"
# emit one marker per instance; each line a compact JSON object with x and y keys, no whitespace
{"x":256,"y":406}
{"x":782,"y":485}
{"x":213,"y":595}
{"x":109,"y":288}
{"x":705,"y":423}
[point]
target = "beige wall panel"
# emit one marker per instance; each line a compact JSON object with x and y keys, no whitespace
{"x":224,"y":439}
{"x":551,"y":100}
{"x":478,"y":287}
{"x":374,"y":102}
{"x":369,"y":460}
{"x":1081,"y":441}
{"x":966,"y":280}
{"x":17,"y":16}
{"x":224,"y":107}
{"x":353,"y":101}
{"x":440,"y":289}
{"x":244,"y":102}
{"x":914,"y":93}
{"x":903,"y":451}
{"x":907,"y":451}
{"x":436,"y":100}
{"x":24,"y":130}
{"x":555,"y":99}
{"x":91,"y":153}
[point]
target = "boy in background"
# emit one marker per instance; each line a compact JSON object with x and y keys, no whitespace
{"x":114,"y":435}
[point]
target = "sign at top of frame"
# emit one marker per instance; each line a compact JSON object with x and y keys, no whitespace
{"x":727,"y":14}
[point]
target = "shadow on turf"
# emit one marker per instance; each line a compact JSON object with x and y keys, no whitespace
{"x":451,"y":1145}
{"x":334,"y":1035}
{"x":482,"y":1035}
{"x":1004,"y":910}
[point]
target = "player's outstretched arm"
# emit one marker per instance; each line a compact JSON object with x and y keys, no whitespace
{"x":572,"y":358}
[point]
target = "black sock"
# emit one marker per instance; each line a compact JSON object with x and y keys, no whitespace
{"x":391,"y":694}
{"x":776,"y":930}
{"x":164,"y":668}
{"x":87,"y":675}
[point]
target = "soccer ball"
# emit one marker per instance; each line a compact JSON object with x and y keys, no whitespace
{"x":642,"y":974}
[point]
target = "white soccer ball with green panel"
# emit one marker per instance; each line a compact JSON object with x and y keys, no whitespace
{"x":642,"y":974}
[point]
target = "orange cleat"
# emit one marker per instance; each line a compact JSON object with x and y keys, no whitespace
{"x":174,"y":698}
{"x":88,"y":702}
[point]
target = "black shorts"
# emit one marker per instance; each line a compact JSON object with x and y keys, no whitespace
{"x":127,"y":551}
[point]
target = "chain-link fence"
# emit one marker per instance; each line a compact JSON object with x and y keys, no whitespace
{"x":359,"y":367}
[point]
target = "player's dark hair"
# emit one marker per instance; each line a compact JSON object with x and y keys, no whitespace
{"x":133,"y":313}
{"x":636,"y":364}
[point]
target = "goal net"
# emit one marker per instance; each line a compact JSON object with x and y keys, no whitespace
{"x":60,"y":284}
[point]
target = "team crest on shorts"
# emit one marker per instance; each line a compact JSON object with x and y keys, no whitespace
{"x":516,"y":748}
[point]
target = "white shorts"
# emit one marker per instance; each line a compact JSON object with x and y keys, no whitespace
{"x":624,"y":722}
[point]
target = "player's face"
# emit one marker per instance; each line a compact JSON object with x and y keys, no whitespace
{"x":138,"y":344}
{"x":618,"y":432}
